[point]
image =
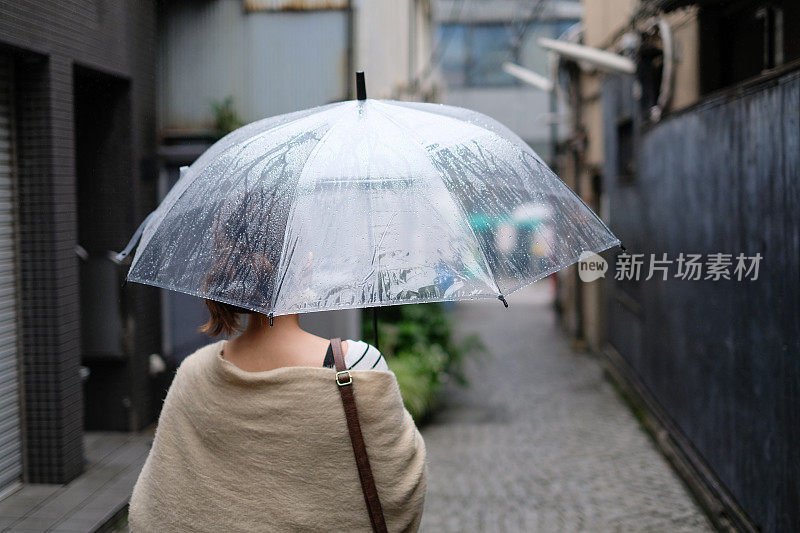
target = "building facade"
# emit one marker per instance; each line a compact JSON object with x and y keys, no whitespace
{"x":697,"y":153}
{"x":77,"y":173}
{"x":259,"y":58}
{"x":475,"y":39}
{"x":101,"y":102}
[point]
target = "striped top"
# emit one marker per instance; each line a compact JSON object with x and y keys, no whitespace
{"x":359,"y":356}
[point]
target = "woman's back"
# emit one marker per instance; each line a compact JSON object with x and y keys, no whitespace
{"x":270,"y":451}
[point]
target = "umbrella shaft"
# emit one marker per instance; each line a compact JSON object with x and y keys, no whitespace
{"x":375,"y":326}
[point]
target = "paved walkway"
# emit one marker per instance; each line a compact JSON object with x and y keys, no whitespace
{"x":540,"y":442}
{"x":90,"y":502}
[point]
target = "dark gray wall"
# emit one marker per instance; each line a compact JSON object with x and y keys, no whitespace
{"x":48,"y":40}
{"x":722,"y":358}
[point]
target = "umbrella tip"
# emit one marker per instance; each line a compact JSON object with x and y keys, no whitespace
{"x":271,"y":319}
{"x":621,"y":247}
{"x":361,"y":86}
{"x":503,"y":299}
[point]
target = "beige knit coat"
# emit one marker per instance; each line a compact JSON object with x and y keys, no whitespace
{"x":270,"y":451}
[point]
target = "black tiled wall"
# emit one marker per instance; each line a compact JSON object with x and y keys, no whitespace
{"x":48,"y":40}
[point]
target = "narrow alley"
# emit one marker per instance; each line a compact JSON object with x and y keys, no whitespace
{"x":540,"y":441}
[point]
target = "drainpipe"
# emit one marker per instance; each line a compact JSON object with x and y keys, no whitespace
{"x":553,"y":60}
{"x":577,"y":149}
{"x":412,"y":42}
{"x":351,"y":51}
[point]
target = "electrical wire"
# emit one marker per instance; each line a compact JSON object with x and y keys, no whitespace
{"x":519,"y":30}
{"x":534,"y":17}
{"x":441,"y":45}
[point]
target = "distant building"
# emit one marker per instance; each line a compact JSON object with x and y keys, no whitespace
{"x":77,"y":174}
{"x":475,"y":38}
{"x":270,"y":57}
{"x":697,"y":153}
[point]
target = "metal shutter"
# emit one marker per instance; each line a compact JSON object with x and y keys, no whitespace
{"x":10,"y":424}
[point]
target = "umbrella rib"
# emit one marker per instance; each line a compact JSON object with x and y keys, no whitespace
{"x":518,"y":142}
{"x":143,"y":242}
{"x":312,"y":155}
{"x":298,"y":115}
{"x":455,"y":201}
{"x":280,"y":152}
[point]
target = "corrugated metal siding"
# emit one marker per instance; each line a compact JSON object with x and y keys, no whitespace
{"x":10,"y":425}
{"x":671,"y":5}
{"x":270,"y":62}
{"x":294,"y":5}
{"x":448,"y":11}
{"x":721,"y":357}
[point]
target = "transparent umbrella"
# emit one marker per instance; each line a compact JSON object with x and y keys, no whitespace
{"x":358,"y":204}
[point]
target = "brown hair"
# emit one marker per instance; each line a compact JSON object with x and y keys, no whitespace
{"x":224,"y":319}
{"x":237,"y":264}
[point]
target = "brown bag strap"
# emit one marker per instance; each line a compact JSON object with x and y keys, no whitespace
{"x":345,"y":382}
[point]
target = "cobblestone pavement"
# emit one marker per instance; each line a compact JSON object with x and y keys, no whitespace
{"x":540,"y":442}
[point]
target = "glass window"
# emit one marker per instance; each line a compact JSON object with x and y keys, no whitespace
{"x":490,"y":47}
{"x":453,"y":50}
{"x":472,"y":55}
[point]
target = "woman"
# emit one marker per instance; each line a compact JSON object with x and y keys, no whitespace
{"x":252,"y":435}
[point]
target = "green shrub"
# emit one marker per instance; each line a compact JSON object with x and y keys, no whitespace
{"x":420,"y":348}
{"x":226,"y":119}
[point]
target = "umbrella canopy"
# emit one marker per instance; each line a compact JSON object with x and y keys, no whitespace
{"x":357,"y":204}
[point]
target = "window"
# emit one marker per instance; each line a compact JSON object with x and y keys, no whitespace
{"x":746,"y":39}
{"x":625,"y":151}
{"x":473,"y":54}
{"x":453,"y":45}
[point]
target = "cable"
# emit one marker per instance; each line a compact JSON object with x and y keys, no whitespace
{"x":535,"y":16}
{"x":441,"y":46}
{"x":437,"y":53}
